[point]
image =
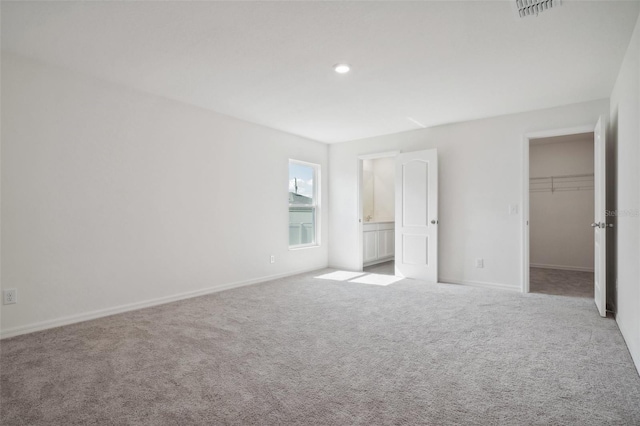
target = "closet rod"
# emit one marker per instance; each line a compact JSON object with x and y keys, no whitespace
{"x":552,"y":184}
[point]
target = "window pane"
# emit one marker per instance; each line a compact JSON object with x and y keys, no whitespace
{"x":301,"y":184}
{"x":302,"y":204}
{"x":302,"y":225}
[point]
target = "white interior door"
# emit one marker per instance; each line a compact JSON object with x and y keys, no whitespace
{"x":417,"y":215}
{"x":600,"y":223}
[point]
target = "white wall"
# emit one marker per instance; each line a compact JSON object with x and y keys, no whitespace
{"x":378,"y":189}
{"x":625,"y":133}
{"x":113,"y":197}
{"x":560,"y":231}
{"x":384,"y":174}
{"x":367,"y":190}
{"x":481,"y":165}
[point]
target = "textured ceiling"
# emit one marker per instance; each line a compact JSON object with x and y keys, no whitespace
{"x":271,"y":62}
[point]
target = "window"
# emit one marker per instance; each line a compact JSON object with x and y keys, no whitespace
{"x":303,"y":203}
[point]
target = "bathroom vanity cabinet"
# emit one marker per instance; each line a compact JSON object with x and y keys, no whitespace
{"x":379,"y":242}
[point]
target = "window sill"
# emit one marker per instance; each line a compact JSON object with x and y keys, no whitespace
{"x":304,"y":247}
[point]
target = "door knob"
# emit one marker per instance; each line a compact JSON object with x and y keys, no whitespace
{"x":433,"y":221}
{"x":595,"y":225}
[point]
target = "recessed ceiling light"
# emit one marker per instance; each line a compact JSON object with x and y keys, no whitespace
{"x":341,"y":68}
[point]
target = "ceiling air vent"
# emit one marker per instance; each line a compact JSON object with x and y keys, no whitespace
{"x":534,"y":7}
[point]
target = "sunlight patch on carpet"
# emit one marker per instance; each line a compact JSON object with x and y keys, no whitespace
{"x":340,"y":275}
{"x":376,"y":279}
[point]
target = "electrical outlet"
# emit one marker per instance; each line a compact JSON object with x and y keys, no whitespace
{"x":273,"y":259}
{"x":479,"y":263}
{"x":10,"y":296}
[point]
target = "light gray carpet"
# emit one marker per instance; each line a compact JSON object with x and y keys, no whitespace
{"x":320,"y":352}
{"x":385,"y":268}
{"x":561,"y":283}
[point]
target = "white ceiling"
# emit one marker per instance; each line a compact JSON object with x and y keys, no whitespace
{"x":271,"y":62}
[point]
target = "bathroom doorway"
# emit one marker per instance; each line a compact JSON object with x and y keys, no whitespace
{"x":377,"y":212}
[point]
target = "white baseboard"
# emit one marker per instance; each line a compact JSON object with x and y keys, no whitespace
{"x":481,"y":284}
{"x":561,"y":267}
{"x":633,"y":344}
{"x":100,"y":313}
{"x":377,"y":261}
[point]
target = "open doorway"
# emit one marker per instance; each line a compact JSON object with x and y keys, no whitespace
{"x":561,"y":210}
{"x":377,"y":212}
{"x":399,"y":221}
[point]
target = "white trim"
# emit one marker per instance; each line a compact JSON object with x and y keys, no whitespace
{"x":587,"y":128}
{"x":632,"y":342}
{"x":525,"y":285}
{"x":304,"y":247}
{"x":481,"y":284}
{"x":561,"y":267}
{"x":377,"y":261}
{"x":379,"y":155}
{"x":525,"y":262}
{"x":360,"y":213}
{"x":101,"y":313}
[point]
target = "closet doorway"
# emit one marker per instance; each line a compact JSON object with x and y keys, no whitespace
{"x":561,"y":210}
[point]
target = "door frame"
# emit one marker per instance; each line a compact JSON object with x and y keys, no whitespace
{"x":526,"y":138}
{"x":360,"y":204}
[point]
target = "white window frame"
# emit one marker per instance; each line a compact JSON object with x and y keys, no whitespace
{"x":315,"y":205}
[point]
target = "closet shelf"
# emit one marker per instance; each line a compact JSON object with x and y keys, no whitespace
{"x":561,"y":183}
